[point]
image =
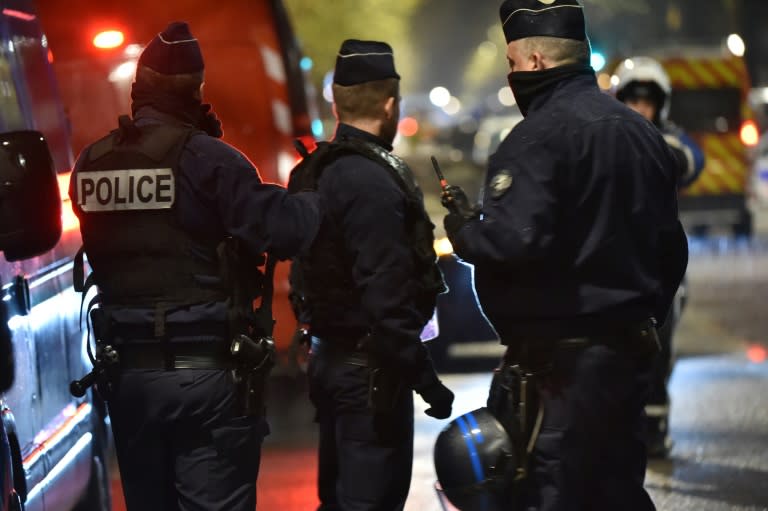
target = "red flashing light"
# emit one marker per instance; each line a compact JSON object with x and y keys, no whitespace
{"x":749,"y":134}
{"x":757,"y":354}
{"x":108,"y":39}
{"x":408,"y":127}
{"x":13,"y":13}
{"x":50,"y":56}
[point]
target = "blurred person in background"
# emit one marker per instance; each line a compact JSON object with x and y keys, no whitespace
{"x":645,"y":87}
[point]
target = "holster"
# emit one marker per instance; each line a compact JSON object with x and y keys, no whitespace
{"x":106,"y":361}
{"x":513,"y":400}
{"x":384,"y":390}
{"x":255,"y":358}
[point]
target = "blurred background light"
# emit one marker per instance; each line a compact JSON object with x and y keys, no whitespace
{"x":440,"y":96}
{"x":506,"y":97}
{"x":108,"y":39}
{"x":598,"y":61}
{"x":408,"y":126}
{"x":453,"y":106}
{"x":736,"y":45}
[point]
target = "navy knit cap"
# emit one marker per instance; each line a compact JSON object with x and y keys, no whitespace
{"x":173,"y":51}
{"x":364,"y":61}
{"x":552,"y":18}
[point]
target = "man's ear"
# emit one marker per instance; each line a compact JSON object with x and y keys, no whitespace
{"x":389,"y":107}
{"x":538,"y":61}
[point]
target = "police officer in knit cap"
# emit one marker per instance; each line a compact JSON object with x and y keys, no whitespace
{"x":369,"y":285}
{"x":577,"y":252}
{"x":174,"y":222}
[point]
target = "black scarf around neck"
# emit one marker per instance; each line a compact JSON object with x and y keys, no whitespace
{"x":188,"y":108}
{"x":528,"y":85}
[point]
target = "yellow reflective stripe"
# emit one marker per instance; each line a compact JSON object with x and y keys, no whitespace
{"x":724,"y":164}
{"x":733,"y":141}
{"x":703,"y":75}
{"x":726,"y":75}
{"x":706,"y":184}
{"x":681,"y":76}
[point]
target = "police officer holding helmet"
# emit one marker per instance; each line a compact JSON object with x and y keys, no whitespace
{"x":369,"y":285}
{"x":577,"y":252}
{"x":174,"y":222}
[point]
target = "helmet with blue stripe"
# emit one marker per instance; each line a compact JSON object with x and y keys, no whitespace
{"x":475,"y":462}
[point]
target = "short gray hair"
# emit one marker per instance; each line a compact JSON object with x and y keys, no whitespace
{"x":559,"y":50}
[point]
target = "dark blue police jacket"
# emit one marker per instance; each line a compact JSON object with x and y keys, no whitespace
{"x":579,"y":232}
{"x":369,"y":207}
{"x":219,"y":193}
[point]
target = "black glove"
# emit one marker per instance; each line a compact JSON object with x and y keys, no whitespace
{"x":440,"y":399}
{"x":456,"y":202}
{"x":453,"y":224}
{"x":460,"y":210}
{"x":209,"y":122}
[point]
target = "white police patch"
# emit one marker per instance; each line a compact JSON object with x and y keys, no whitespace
{"x":122,"y":190}
{"x":500,"y":183}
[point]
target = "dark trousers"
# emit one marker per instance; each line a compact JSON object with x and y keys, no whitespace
{"x":181,"y":442}
{"x":657,"y":409}
{"x":590,"y":453}
{"x":365,"y":458}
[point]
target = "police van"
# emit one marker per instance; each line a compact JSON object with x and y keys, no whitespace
{"x":256,"y":78}
{"x":53,"y":447}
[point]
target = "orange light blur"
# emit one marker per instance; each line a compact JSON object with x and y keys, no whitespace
{"x":50,"y":56}
{"x":749,"y":134}
{"x":408,"y":127}
{"x":443,"y":247}
{"x":69,"y":221}
{"x":108,"y":39}
{"x":757,"y":353}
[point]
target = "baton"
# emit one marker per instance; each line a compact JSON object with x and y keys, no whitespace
{"x":440,"y":176}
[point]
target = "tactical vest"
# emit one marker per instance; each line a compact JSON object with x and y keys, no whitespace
{"x":324,"y":273}
{"x":125,"y":196}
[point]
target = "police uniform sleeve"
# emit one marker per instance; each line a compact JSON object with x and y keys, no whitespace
{"x":263,"y":215}
{"x":518,"y":216}
{"x":689,"y":156}
{"x":371,"y":210}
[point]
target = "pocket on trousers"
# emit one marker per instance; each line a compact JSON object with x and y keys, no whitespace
{"x":240,"y":439}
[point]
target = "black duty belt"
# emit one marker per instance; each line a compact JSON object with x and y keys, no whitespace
{"x":340,"y":351}
{"x":638,"y":339}
{"x":170,"y":355}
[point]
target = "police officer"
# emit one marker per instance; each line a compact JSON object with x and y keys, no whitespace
{"x":577,"y":252}
{"x":370,"y":282}
{"x":644,"y":86}
{"x":166,"y":209}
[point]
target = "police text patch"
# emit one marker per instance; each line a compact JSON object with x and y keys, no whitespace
{"x":500,"y":183}
{"x":121,"y":190}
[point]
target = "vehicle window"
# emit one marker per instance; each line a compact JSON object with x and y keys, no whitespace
{"x":707,"y":110}
{"x":11,"y":118}
{"x":28,"y":55}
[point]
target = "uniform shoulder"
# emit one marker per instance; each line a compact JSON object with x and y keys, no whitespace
{"x":358,"y":168}
{"x":217,"y":150}
{"x":357,"y":178}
